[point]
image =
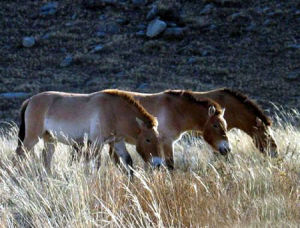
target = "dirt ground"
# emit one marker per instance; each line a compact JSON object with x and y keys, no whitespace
{"x":86,"y":46}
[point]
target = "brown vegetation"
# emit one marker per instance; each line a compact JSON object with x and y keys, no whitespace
{"x":247,"y":190}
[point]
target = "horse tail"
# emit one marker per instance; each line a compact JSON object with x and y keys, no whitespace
{"x":21,"y":134}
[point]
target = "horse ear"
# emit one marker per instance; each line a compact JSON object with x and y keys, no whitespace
{"x":258,"y":122}
{"x":156,"y":121}
{"x":140,"y":122}
{"x":223,"y":111}
{"x":211,"y":111}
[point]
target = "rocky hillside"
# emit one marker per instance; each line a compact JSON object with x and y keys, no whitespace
{"x":146,"y":45}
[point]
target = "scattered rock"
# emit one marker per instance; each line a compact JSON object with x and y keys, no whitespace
{"x":239,"y":23}
{"x":101,"y":34}
{"x":212,"y":27}
{"x":110,"y":2}
{"x":139,"y":3}
{"x":110,"y":28}
{"x":74,"y":16}
{"x":122,"y":21}
{"x":102,"y":17}
{"x":155,"y":27}
{"x":49,"y":8}
{"x":28,"y":41}
{"x":98,"y":4}
{"x":152,"y":13}
{"x":69,"y":24}
{"x":143,"y":85}
{"x":275,"y":13}
{"x":97,"y":48}
{"x":63,"y":50}
{"x":227,"y":3}
{"x":14,"y":95}
{"x":170,"y":13}
{"x":239,"y":17}
{"x":171,"y":24}
{"x":266,"y":9}
{"x":191,"y":60}
{"x":141,"y":26}
{"x":205,"y":52}
{"x":174,"y":33}
{"x":140,"y":33}
{"x":294,"y":75}
{"x":252,"y":27}
{"x":207,"y":9}
{"x":67,"y":61}
{"x":120,"y":74}
{"x":46,"y":36}
{"x":202,"y":22}
{"x":269,"y":22}
{"x":293,"y":46}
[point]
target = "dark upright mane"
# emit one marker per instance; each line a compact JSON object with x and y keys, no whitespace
{"x":206,"y":102}
{"x":148,"y":119}
{"x":251,"y":105}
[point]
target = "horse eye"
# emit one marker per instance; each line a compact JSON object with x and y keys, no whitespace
{"x":215,"y":126}
{"x":148,"y":140}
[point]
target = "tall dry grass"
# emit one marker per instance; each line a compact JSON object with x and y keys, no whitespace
{"x":248,"y":190}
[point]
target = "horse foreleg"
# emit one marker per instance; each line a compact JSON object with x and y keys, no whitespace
{"x":112,"y":153}
{"x":76,"y":153}
{"x":47,"y":154}
{"x":168,"y":152}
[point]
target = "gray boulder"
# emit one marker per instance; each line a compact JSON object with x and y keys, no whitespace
{"x":49,"y":8}
{"x":155,"y":27}
{"x":174,"y":33}
{"x":28,"y":41}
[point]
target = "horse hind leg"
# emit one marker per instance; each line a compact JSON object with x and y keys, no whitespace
{"x":76,"y":153}
{"x":48,"y":151}
{"x":24,"y":148}
{"x":121,"y":156}
{"x":31,"y":130}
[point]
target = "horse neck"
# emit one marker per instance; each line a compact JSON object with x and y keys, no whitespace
{"x":237,"y":115}
{"x":149,"y":102}
{"x":190,"y":116}
{"x":126,"y":122}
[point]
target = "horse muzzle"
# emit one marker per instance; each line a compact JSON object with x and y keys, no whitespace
{"x":224,"y":147}
{"x":273,"y":153}
{"x":156,"y":162}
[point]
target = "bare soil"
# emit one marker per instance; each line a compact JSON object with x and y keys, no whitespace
{"x":252,"y":46}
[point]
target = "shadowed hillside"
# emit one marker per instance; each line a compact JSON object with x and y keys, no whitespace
{"x":89,"y":45}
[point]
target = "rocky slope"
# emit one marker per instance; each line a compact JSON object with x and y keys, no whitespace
{"x":89,"y":45}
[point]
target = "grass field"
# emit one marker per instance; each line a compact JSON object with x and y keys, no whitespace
{"x":205,"y":190}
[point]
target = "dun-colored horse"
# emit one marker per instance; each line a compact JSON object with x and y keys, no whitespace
{"x":241,"y":113}
{"x":105,"y":116}
{"x":178,"y":112}
{"x":244,"y":114}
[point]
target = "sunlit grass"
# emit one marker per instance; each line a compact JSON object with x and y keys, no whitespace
{"x":248,"y":189}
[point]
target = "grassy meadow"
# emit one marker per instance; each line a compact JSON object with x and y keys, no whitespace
{"x":205,"y":190}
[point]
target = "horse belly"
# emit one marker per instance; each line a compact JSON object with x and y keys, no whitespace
{"x":68,"y":132}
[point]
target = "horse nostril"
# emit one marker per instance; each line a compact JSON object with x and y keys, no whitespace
{"x":224,"y":151}
{"x":224,"y":147}
{"x":273,"y":154}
